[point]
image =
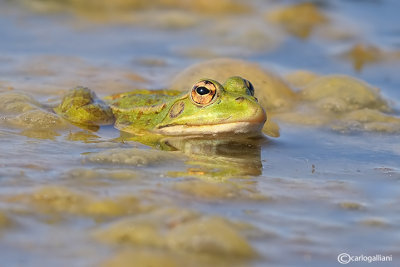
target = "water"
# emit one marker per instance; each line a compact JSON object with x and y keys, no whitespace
{"x":74,"y":197}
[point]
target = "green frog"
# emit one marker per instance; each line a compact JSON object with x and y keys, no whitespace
{"x":207,"y":108}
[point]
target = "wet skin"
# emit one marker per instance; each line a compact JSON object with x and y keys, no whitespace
{"x":207,"y":108}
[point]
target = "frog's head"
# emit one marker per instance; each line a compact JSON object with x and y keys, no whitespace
{"x":212,"y":108}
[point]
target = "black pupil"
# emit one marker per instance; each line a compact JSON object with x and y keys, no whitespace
{"x":202,"y":90}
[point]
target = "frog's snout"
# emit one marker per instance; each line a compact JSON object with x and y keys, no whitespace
{"x":259,"y":115}
{"x":251,"y":110}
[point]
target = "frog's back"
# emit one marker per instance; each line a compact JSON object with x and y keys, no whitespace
{"x":140,"y":99}
{"x":141,"y":109}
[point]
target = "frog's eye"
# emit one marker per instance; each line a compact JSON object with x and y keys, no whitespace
{"x":249,"y":86}
{"x":203,"y":92}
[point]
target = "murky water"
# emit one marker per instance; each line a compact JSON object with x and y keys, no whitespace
{"x":83,"y":197}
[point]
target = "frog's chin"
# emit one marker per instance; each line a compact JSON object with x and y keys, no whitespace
{"x":248,"y":128}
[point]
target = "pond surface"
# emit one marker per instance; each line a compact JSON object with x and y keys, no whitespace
{"x":329,"y":184}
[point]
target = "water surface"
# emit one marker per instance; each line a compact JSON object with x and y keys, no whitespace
{"x":75,"y":197}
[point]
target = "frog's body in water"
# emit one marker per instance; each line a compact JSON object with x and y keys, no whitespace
{"x":208,"y":108}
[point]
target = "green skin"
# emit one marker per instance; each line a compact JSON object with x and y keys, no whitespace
{"x":233,"y":109}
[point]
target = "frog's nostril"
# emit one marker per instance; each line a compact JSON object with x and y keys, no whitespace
{"x":240,"y":99}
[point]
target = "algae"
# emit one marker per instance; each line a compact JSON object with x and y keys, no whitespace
{"x":133,"y":157}
{"x":362,"y":54}
{"x":58,"y":201}
{"x":298,"y":19}
{"x":188,"y":232}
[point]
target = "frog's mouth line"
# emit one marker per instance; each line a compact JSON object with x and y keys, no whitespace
{"x":252,"y":126}
{"x":241,"y":127}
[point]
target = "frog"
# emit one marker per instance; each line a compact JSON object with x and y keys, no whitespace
{"x":207,"y":108}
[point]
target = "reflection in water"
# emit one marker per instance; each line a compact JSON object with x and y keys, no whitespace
{"x":40,"y":134}
{"x":211,"y":157}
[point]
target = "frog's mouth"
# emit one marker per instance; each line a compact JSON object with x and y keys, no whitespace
{"x":251,"y":126}
{"x":241,"y":127}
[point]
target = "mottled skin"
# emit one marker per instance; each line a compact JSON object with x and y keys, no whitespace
{"x":207,"y":108}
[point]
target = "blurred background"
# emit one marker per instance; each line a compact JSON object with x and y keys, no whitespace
{"x":156,"y":39}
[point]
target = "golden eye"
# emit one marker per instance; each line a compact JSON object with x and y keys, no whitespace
{"x":249,"y":86}
{"x":203,"y":92}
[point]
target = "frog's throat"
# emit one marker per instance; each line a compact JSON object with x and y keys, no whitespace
{"x":231,"y":127}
